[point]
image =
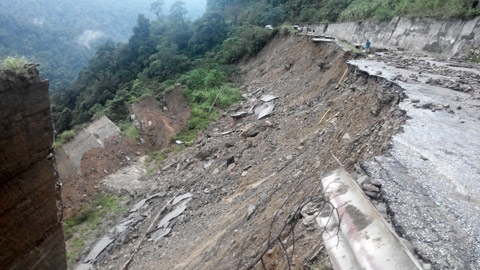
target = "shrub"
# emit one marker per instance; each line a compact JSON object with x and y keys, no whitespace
{"x":204,"y":90}
{"x":18,"y":65}
{"x":64,"y":137}
{"x":87,"y":224}
{"x":128,"y":128}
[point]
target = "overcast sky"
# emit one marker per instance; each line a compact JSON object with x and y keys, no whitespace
{"x":91,"y":19}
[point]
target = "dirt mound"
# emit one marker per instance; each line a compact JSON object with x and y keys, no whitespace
{"x":157,"y":126}
{"x":252,"y":179}
{"x":96,"y":164}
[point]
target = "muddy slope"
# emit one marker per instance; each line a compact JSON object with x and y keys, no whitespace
{"x":249,"y":178}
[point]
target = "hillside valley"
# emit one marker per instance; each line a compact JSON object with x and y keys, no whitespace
{"x":269,"y":134}
{"x":245,"y":178}
{"x":62,"y":36}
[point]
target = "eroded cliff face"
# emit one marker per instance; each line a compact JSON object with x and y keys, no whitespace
{"x":450,"y":38}
{"x":31,"y":235}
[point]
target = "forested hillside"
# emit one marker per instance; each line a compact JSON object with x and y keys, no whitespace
{"x":171,"y":48}
{"x":62,"y":35}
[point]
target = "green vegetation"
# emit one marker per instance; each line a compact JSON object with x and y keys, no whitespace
{"x":387,"y":9}
{"x":200,"y":54}
{"x":15,"y":64}
{"x":88,"y":224}
{"x":172,"y":44}
{"x":50,"y":32}
{"x":473,"y":55}
{"x":129,"y":129}
{"x":64,"y":137}
{"x":351,"y":47}
{"x":157,"y":56}
{"x":59,"y":57}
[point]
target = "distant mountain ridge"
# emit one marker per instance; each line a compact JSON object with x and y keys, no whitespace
{"x":62,"y":35}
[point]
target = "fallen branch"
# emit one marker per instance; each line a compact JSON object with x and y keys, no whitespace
{"x":341,"y":79}
{"x":219,"y":92}
{"x":288,"y":228}
{"x":325,"y":114}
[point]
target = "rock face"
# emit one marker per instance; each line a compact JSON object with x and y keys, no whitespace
{"x":446,"y":37}
{"x":31,"y":235}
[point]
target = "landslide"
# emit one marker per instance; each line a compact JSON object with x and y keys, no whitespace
{"x":250,"y":177}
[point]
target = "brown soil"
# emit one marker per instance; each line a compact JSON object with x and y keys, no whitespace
{"x":249,"y":185}
{"x":96,"y":164}
{"x":274,"y":164}
{"x":156,"y":129}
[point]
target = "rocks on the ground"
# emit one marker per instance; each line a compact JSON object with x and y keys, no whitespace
{"x":382,"y":209}
{"x":373,"y":195}
{"x":363,"y":180}
{"x":251,"y":209}
{"x":376,"y":182}
{"x":370,"y":188}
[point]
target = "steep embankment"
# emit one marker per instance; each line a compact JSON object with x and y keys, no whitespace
{"x":443,"y":37}
{"x":31,"y":236}
{"x":251,"y":178}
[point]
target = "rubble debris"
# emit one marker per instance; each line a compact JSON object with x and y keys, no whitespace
{"x":98,"y":248}
{"x":268,"y":98}
{"x":171,"y":215}
{"x":239,"y":114}
{"x":264,"y":110}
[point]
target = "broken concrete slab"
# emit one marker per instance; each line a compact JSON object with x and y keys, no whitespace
{"x":239,"y":114}
{"x":159,"y":234}
{"x":264,"y":110}
{"x":267,"y":98}
{"x":98,"y":248}
{"x":138,"y":205}
{"x":185,"y":198}
{"x":182,"y":197}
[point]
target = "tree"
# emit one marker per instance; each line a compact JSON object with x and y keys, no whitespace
{"x":167,"y":62}
{"x":209,"y":31}
{"x":178,"y":12}
{"x":140,"y":46}
{"x":156,"y":7}
{"x":273,"y":16}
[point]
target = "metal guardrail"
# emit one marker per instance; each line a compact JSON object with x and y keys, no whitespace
{"x":356,"y":235}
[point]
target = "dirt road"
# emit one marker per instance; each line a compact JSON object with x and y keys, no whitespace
{"x":431,"y":173}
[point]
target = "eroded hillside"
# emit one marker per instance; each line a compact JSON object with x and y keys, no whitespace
{"x":251,"y":178}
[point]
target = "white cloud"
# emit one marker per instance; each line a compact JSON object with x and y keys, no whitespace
{"x":38,"y":21}
{"x":88,"y":37}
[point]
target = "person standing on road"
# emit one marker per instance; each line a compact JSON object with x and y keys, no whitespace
{"x":367,"y":46}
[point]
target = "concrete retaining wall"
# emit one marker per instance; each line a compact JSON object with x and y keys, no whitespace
{"x":69,"y":156}
{"x":446,"y":37}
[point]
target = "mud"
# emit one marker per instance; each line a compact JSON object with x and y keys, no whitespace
{"x":96,"y":164}
{"x":431,"y":174}
{"x":250,"y":177}
{"x":411,"y":123}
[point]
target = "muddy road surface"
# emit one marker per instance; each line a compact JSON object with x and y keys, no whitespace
{"x":431,"y":173}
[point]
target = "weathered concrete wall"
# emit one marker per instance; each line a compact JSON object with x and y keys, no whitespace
{"x":69,"y":156}
{"x":31,"y":235}
{"x":447,"y":37}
